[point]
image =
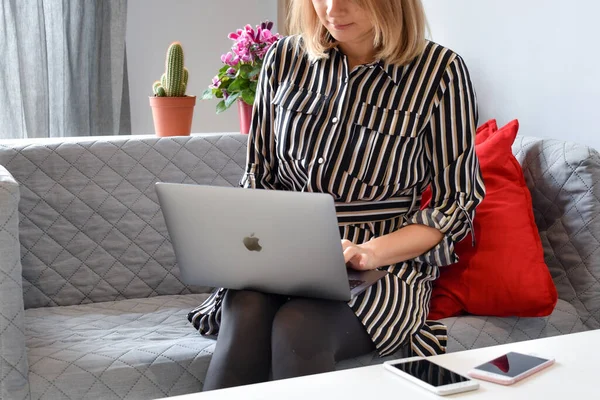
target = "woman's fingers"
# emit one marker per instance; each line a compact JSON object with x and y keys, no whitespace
{"x":349,"y":252}
{"x":355,"y":256}
{"x":346,"y":243}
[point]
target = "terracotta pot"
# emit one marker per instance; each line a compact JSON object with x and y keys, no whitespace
{"x":172,"y":115}
{"x":245,"y":113}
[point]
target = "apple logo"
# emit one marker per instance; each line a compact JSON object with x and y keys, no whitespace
{"x":251,"y":243}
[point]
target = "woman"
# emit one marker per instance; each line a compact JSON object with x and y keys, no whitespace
{"x":358,"y":105}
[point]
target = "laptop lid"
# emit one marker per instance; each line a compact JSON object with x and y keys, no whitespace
{"x":273,"y":241}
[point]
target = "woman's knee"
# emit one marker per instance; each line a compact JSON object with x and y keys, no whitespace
{"x":248,"y":305}
{"x":327,"y":329}
{"x":297,"y":328}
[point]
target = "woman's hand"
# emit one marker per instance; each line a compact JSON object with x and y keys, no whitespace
{"x":358,"y":257}
{"x":403,"y":244}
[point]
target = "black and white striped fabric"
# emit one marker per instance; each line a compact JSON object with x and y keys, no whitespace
{"x":373,"y":137}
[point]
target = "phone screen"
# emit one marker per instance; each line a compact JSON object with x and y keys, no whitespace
{"x":511,"y":364}
{"x":431,"y":373}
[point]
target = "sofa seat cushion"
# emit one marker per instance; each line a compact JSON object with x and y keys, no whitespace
{"x":471,"y":332}
{"x":129,"y":349}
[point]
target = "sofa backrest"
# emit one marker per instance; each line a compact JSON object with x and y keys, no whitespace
{"x":564,"y":181}
{"x":91,"y":229}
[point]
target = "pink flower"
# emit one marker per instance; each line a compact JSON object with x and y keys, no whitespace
{"x":243,"y":49}
{"x":250,"y":32}
{"x":266,"y":25}
{"x":261,"y":53}
{"x":235,"y":35}
{"x":230,"y":59}
{"x":216,"y":82}
{"x":267,"y":36}
{"x":250,"y":46}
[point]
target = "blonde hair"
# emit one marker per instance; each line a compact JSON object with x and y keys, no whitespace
{"x":398,"y":25}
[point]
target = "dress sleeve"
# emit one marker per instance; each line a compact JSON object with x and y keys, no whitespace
{"x":456,"y":183}
{"x":261,"y":160}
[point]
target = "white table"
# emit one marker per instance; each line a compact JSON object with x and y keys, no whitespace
{"x":575,"y":375}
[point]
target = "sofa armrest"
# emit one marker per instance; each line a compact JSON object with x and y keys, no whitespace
{"x":14,"y":383}
{"x":564,"y":181}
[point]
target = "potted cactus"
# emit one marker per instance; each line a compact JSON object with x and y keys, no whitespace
{"x":172,"y":110}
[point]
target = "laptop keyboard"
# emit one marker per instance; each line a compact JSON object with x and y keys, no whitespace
{"x":355,"y":283}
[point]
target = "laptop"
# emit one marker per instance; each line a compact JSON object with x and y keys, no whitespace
{"x":280,"y":242}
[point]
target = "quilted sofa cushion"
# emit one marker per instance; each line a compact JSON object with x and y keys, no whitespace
{"x":128,"y":349}
{"x":143,"y":349}
{"x":13,"y":354}
{"x":564,"y":181}
{"x":91,"y":227}
{"x":473,"y":332}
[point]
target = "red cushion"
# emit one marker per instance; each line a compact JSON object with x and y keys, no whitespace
{"x":485,"y":131}
{"x":505,"y":273}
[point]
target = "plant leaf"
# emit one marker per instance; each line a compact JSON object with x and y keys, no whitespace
{"x":253,"y":85}
{"x":225,"y":82}
{"x":248,"y":97}
{"x":221,"y":107}
{"x":238,"y":85}
{"x":245,"y":70}
{"x":208,"y":94}
{"x":254,"y":72}
{"x":231,"y":99}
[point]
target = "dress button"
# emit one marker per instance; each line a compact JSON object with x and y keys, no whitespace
{"x":320,"y":160}
{"x":334,"y":120}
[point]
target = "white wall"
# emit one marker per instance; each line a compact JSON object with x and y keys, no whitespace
{"x":202,"y":27}
{"x":535,"y":60}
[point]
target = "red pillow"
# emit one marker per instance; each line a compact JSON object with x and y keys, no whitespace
{"x":485,"y":131}
{"x":505,"y":273}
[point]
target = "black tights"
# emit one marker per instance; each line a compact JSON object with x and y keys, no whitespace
{"x":262,"y":333}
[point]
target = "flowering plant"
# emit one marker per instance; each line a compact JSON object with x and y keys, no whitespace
{"x":237,"y":79}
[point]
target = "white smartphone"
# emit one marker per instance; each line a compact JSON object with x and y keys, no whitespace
{"x":431,"y":376}
{"x":510,"y":368}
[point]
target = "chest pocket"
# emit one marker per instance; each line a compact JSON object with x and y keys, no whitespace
{"x":295,"y":116}
{"x":383,"y":145}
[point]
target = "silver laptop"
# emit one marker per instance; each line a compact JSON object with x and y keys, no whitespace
{"x":265,"y":240}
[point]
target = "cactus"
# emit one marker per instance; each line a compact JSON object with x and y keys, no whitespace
{"x":158,"y":89}
{"x":173,"y":82}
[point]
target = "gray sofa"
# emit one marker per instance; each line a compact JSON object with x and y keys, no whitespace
{"x":91,"y":303}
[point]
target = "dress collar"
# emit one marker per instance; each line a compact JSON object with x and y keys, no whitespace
{"x":393,"y":71}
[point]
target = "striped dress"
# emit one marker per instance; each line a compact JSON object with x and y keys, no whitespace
{"x":374,"y":137}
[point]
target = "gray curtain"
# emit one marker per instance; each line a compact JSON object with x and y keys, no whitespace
{"x":63,"y":69}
